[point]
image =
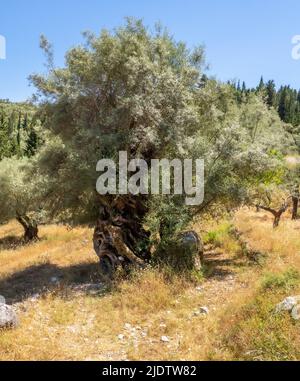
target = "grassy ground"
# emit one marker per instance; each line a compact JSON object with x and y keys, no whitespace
{"x":67,"y":311}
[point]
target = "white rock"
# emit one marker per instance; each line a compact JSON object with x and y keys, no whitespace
{"x":165,"y":339}
{"x":54,"y":279}
{"x":287,"y":304}
{"x":8,"y":317}
{"x":204,"y":310}
{"x":121,"y":337}
{"x":127,"y":326}
{"x":296,"y":312}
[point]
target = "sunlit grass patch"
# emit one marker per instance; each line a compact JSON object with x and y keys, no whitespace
{"x":258,"y":333}
{"x":285,"y":281}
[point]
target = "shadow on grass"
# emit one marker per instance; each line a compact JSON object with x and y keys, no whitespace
{"x":11,"y":242}
{"x":40,"y":279}
{"x":219,"y":268}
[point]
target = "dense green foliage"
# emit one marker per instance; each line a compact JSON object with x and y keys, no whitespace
{"x":142,"y":92}
{"x":285,"y":100}
{"x":146,"y":94}
{"x":19,"y":129}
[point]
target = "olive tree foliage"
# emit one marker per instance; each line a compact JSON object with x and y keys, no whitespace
{"x":274,"y":188}
{"x":243,"y":145}
{"x":130,"y":90}
{"x":141,"y":92}
{"x":18,"y":196}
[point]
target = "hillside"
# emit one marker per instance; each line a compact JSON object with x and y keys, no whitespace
{"x":20,"y":133}
{"x":67,"y":311}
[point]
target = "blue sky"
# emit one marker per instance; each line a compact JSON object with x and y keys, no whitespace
{"x":243,"y":39}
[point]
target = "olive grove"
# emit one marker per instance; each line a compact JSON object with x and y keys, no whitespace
{"x":144,"y":93}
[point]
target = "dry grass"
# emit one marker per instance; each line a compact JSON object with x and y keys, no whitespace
{"x":256,"y":332}
{"x":71,"y":322}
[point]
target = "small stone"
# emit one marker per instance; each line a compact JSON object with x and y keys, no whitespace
{"x":165,"y":339}
{"x":127,"y":326}
{"x":199,"y":289}
{"x":204,"y":310}
{"x":54,"y":279}
{"x":162,"y":325}
{"x":287,"y":304}
{"x":296,"y":312}
{"x":254,"y":352}
{"x":8,"y":317}
{"x":121,"y":337}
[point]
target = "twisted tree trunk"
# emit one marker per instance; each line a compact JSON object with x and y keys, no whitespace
{"x":119,"y":236}
{"x":276,"y":213}
{"x":29,"y":226}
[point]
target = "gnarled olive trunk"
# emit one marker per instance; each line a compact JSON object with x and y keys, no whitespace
{"x":119,"y":236}
{"x":30,"y":227}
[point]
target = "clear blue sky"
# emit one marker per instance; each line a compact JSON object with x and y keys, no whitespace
{"x":244,"y":39}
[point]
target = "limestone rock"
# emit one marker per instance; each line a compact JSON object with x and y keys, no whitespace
{"x":287,"y":304}
{"x":296,"y":312}
{"x":8,"y":317}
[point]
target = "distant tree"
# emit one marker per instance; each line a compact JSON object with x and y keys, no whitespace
{"x":244,"y":87}
{"x":18,"y":196}
{"x":271,"y":94}
{"x":261,"y":85}
{"x":15,"y":120}
{"x":32,"y":142}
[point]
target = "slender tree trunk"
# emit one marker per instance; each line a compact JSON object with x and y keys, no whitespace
{"x":295,"y":201}
{"x":276,"y":213}
{"x":29,"y":226}
{"x":276,"y":220}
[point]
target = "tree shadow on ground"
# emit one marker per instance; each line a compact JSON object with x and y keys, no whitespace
{"x":218,"y":267}
{"x":38,"y":280}
{"x":11,"y":242}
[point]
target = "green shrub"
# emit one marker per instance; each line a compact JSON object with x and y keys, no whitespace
{"x":283,"y":281}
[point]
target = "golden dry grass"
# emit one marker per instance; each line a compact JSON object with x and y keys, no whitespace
{"x":256,"y":332}
{"x":69,"y":322}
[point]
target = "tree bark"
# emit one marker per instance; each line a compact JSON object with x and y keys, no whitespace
{"x":276,"y":213}
{"x":295,"y":201}
{"x":30,"y":227}
{"x":119,"y":236}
